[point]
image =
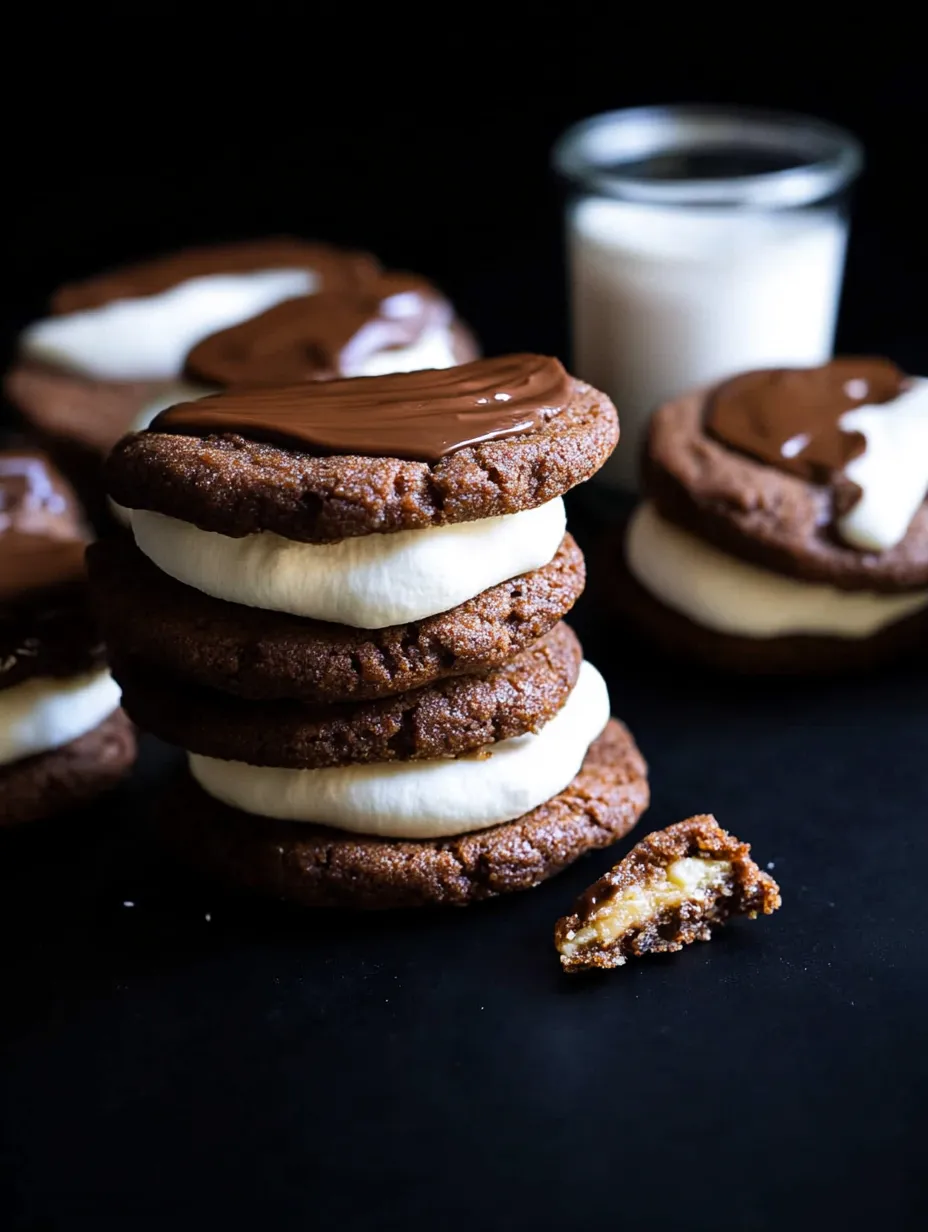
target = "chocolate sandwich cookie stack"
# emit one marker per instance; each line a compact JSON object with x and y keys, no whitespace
{"x":785,"y":526}
{"x":63,"y":737}
{"x":344,"y":601}
{"x":118,"y":348}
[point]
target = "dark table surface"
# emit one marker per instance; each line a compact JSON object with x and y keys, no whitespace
{"x":177,"y":1058}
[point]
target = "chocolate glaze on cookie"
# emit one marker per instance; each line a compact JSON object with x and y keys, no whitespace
{"x":450,"y":718}
{"x":45,"y":623}
{"x":320,"y":867}
{"x":790,"y":417}
{"x":763,"y":514}
{"x":419,"y":416}
{"x":320,"y":337}
{"x":236,"y":486}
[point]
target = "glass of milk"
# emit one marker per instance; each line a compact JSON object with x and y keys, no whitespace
{"x":702,"y":241}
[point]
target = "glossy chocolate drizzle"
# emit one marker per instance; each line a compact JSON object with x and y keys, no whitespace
{"x":790,"y":417}
{"x":318,"y":337}
{"x":421,"y":416}
{"x":45,"y":622}
{"x":337,"y":270}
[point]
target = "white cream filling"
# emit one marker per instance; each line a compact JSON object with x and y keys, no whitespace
{"x":147,"y":338}
{"x":892,"y":472}
{"x":729,"y":595}
{"x":368,"y":582}
{"x":432,"y":350}
{"x":424,"y":799}
{"x":45,"y":713}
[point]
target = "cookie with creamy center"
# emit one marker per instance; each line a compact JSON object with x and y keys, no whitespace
{"x":264,"y":655}
{"x":118,"y":348}
{"x":392,"y":550}
{"x":785,"y":525}
{"x":671,"y":889}
{"x":317,"y":866}
{"x":55,"y":691}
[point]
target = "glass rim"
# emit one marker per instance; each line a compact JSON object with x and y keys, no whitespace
{"x":590,"y":154}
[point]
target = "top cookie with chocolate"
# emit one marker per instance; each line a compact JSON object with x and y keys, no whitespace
{"x":45,"y":623}
{"x":802,"y":471}
{"x":262,"y":312}
{"x":319,"y":463}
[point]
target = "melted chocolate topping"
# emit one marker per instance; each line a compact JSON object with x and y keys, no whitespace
{"x":45,"y":624}
{"x":318,"y":337}
{"x":789,"y":417}
{"x":416,"y":415}
{"x":337,"y":270}
{"x":41,"y":544}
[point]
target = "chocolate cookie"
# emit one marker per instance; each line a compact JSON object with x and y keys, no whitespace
{"x":794,"y":655}
{"x":358,"y":311}
{"x":319,"y":867}
{"x":75,"y":418}
{"x":269,"y":655}
{"x":670,"y":890}
{"x":51,"y":782}
{"x":319,"y":463}
{"x":446,"y":719}
{"x":778,"y":516}
{"x":330,"y":334}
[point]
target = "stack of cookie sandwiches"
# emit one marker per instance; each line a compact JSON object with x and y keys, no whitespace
{"x":63,"y":737}
{"x":344,"y":600}
{"x":118,"y":348}
{"x":785,"y":527}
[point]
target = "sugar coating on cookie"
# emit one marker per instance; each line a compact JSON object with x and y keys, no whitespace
{"x":670,"y":890}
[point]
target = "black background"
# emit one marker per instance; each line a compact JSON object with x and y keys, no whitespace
{"x":192,"y":1061}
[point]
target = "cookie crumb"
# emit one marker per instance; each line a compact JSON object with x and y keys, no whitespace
{"x":666,"y":893}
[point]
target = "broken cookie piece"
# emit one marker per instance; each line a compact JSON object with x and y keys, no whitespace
{"x":668,"y":891}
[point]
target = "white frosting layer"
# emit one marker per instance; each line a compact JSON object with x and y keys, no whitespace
{"x":147,"y":338}
{"x":421,"y":800}
{"x":432,"y":350}
{"x":45,"y":713}
{"x":729,"y":595}
{"x":368,"y":582}
{"x":892,"y":472}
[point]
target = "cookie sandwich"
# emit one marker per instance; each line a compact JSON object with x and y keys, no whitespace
{"x":345,"y":602}
{"x":63,"y":738}
{"x":118,"y":348}
{"x":784,"y":526}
